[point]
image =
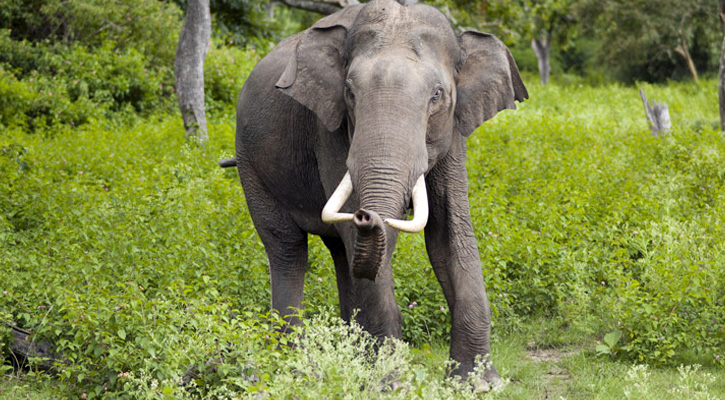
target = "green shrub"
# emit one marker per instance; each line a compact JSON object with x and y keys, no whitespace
{"x":71,"y":85}
{"x":225,"y":70}
{"x":66,"y":62}
{"x":149,"y":26}
{"x":582,"y":213}
{"x":110,"y":230}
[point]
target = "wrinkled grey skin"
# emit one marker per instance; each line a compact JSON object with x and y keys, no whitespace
{"x":388,"y":92}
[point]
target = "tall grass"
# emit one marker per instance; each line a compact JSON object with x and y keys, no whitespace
{"x":135,"y":253}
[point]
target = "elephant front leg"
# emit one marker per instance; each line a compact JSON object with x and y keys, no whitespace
{"x":285,"y":244}
{"x":453,"y":253}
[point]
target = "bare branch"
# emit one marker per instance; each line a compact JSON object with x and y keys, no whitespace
{"x":322,"y":7}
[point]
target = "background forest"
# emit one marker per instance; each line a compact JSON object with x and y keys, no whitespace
{"x":128,"y":249}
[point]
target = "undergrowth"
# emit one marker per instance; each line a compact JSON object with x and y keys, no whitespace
{"x":135,"y":255}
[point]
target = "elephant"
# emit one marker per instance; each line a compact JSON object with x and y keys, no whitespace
{"x":346,"y":126}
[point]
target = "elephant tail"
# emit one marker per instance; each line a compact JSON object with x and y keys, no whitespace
{"x":228,"y":162}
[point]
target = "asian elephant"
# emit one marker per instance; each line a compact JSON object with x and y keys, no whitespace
{"x":345,"y":126}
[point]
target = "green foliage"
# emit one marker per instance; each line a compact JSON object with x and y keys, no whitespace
{"x":533,"y":19}
{"x":583,"y":214}
{"x":116,"y":294}
{"x":71,"y":85}
{"x":225,"y":70}
{"x":609,"y":346}
{"x":646,"y":40}
{"x":257,"y":23}
{"x":136,"y":255}
{"x":149,"y":26}
{"x":68,"y":62}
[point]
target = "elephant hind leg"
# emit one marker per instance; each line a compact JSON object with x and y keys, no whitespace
{"x":342,"y":270}
{"x":285,"y":244}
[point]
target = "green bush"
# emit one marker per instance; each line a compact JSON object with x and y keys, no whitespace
{"x":66,"y":62}
{"x":149,"y":26}
{"x":583,"y":214}
{"x":225,"y":70}
{"x":70,"y":85}
{"x":135,"y":253}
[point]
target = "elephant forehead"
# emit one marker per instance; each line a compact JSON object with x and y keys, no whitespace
{"x":422,"y":30}
{"x":381,"y":13}
{"x":390,"y":69}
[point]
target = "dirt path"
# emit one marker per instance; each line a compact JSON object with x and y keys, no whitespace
{"x":552,"y":383}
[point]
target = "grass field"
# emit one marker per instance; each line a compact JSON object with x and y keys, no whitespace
{"x":601,"y":244}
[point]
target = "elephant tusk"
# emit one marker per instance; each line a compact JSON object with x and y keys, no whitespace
{"x":420,"y":211}
{"x":330,"y":213}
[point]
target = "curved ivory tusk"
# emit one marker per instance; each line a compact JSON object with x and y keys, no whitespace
{"x":420,"y":210}
{"x":330,"y":214}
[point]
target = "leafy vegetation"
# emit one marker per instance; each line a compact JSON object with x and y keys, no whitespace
{"x":135,"y":255}
{"x":654,"y":40}
{"x":612,"y":40}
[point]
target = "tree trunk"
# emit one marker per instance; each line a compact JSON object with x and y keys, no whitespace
{"x":721,"y":86}
{"x":541,"y":47}
{"x":682,"y":50}
{"x":189,"y":68}
{"x":721,"y":83}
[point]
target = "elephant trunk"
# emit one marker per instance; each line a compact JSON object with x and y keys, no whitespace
{"x":370,"y":244}
{"x":386,"y":163}
{"x":371,"y":241}
{"x":384,"y":197}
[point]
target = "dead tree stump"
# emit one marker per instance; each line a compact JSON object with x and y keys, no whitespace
{"x":23,"y":347}
{"x":658,"y":115}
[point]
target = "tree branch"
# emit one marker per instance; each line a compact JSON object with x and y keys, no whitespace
{"x":322,"y":7}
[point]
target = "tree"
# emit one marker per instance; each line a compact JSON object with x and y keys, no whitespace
{"x":721,"y":83}
{"x":194,"y":41}
{"x":189,"y":68}
{"x":147,"y":25}
{"x":545,"y":23}
{"x":644,"y":32}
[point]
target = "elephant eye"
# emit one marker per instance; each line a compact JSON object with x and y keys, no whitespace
{"x":437,"y":95}
{"x":349,"y":95}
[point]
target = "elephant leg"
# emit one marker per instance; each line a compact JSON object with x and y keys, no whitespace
{"x":371,"y":302}
{"x":285,"y":244}
{"x":453,"y":253}
{"x":342,"y":270}
{"x":377,"y":310}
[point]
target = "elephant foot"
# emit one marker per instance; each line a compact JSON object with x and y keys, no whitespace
{"x":392,"y":383}
{"x":490,"y":381}
{"x":483,"y":379}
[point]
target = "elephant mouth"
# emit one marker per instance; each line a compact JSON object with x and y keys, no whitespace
{"x":331,"y":212}
{"x":371,"y":240}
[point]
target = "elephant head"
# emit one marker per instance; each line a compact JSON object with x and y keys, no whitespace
{"x":400,"y":83}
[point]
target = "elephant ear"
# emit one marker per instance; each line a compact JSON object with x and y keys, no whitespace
{"x":488,"y":81}
{"x":315,"y":74}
